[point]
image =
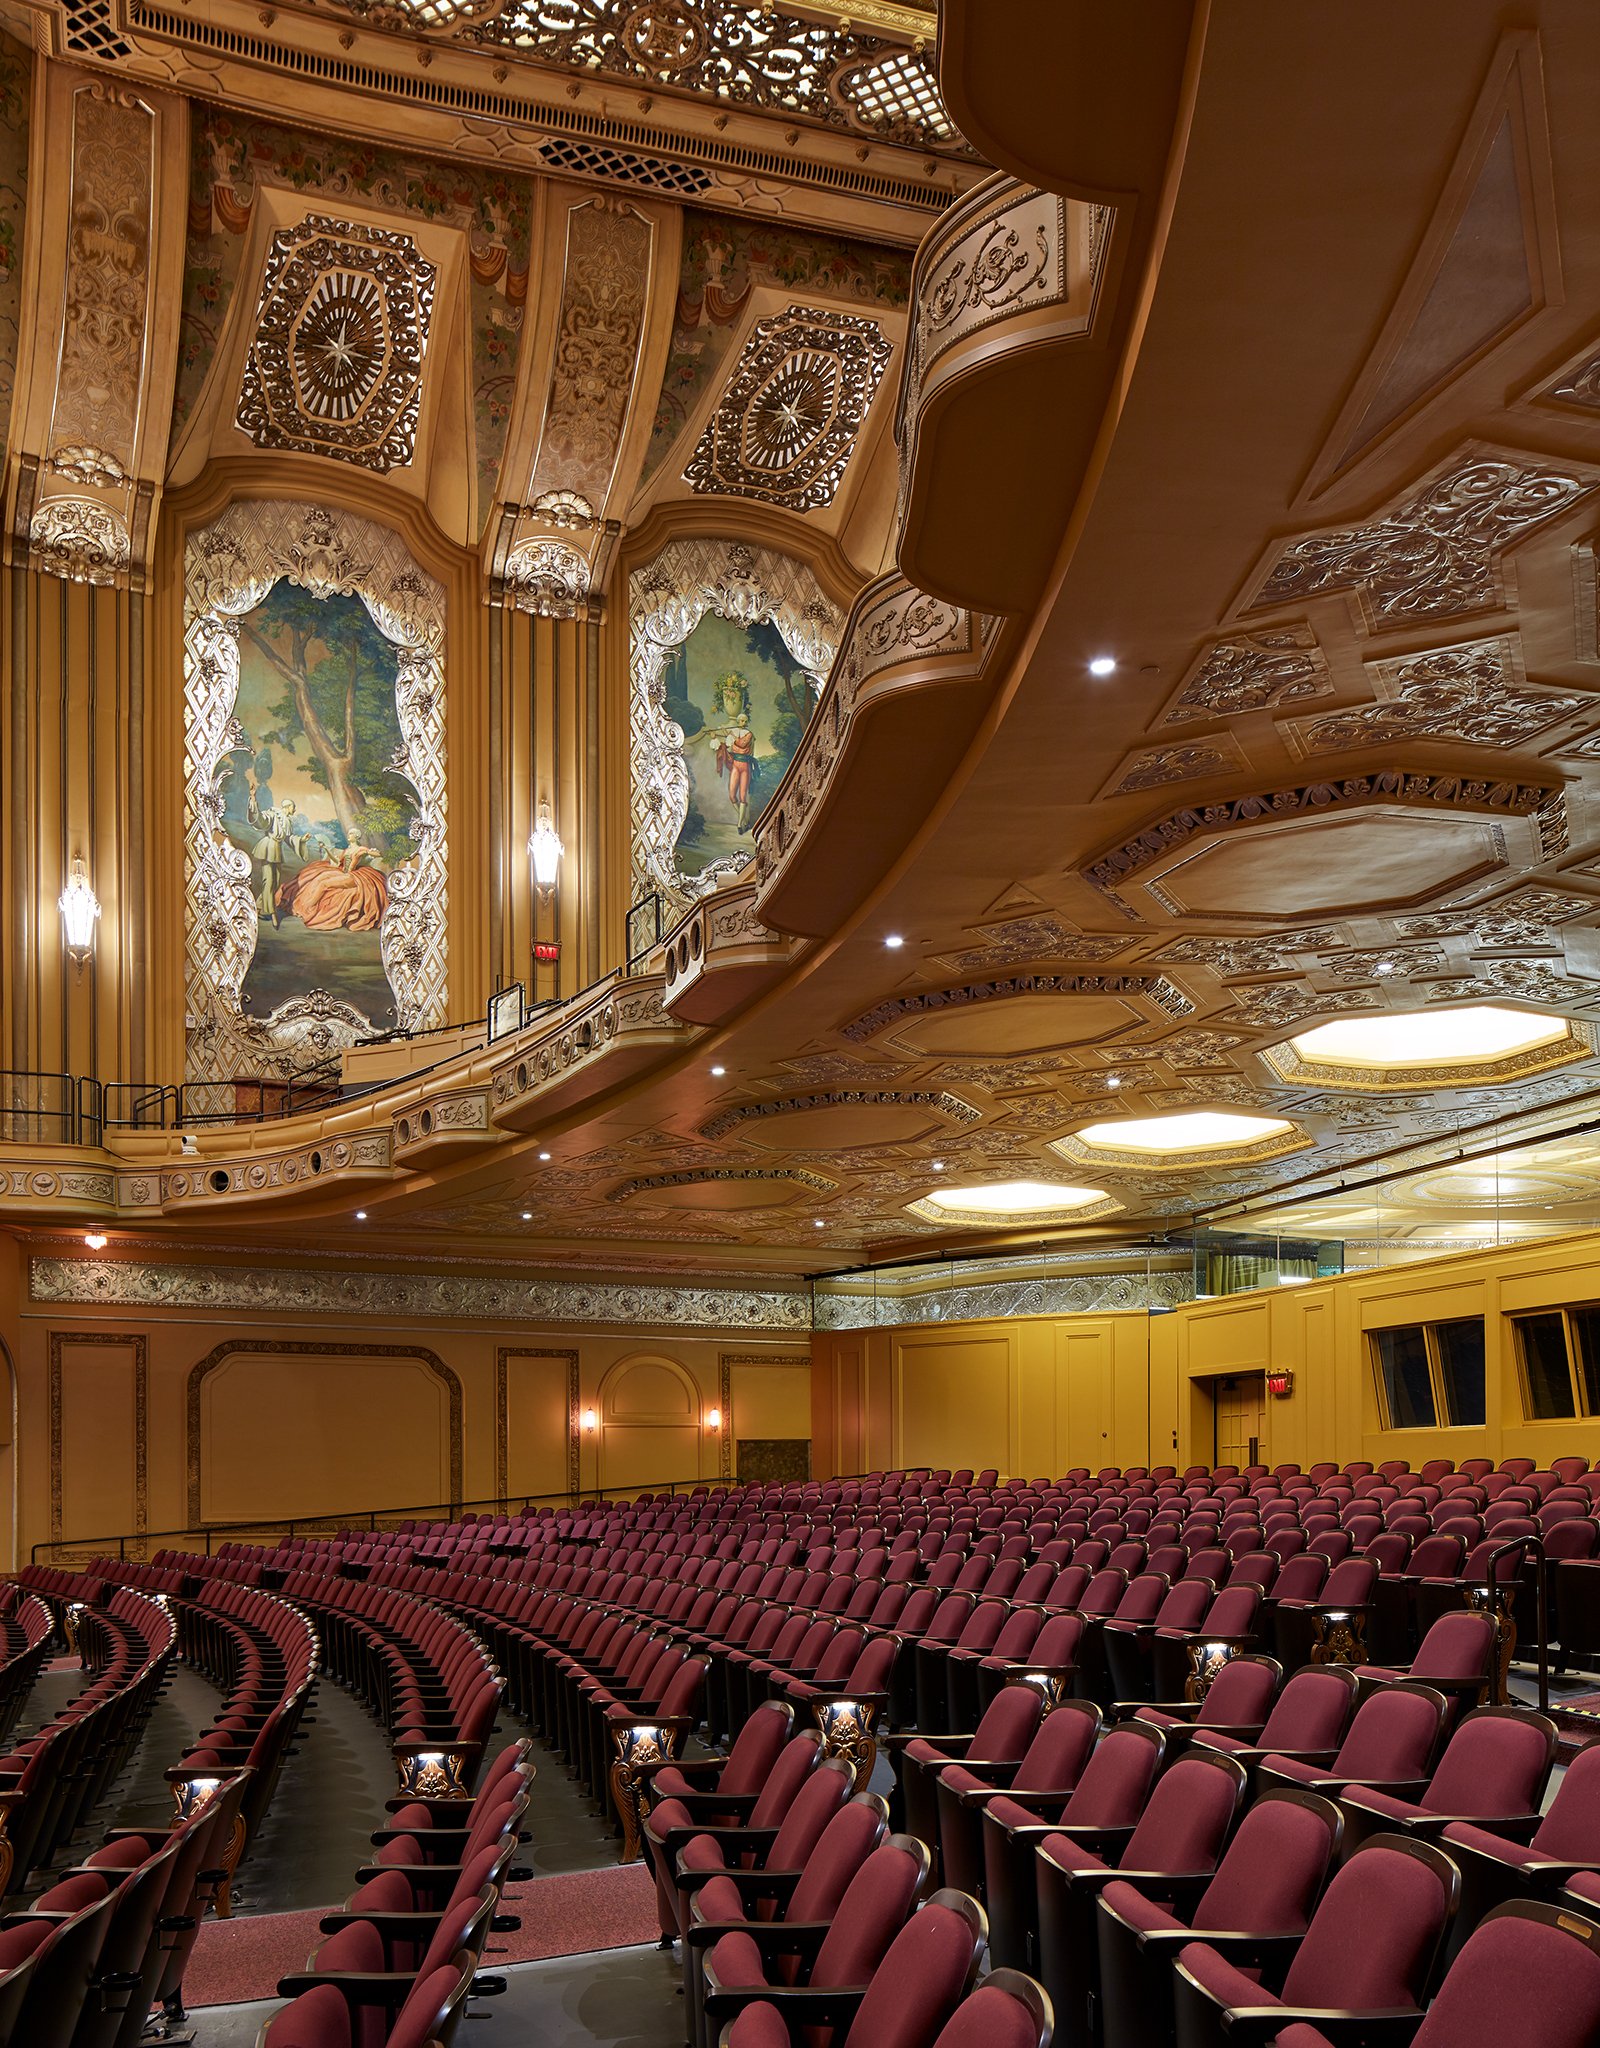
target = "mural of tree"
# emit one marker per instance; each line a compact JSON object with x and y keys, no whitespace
{"x":339,"y":677}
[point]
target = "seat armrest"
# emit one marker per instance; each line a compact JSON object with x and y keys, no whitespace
{"x":358,"y":1987}
{"x":1253,"y":2024}
{"x":951,"y":1747}
{"x":980,"y":1795}
{"x":754,"y":1887}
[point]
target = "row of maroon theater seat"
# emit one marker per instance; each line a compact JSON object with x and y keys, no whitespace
{"x":26,"y":1632}
{"x":401,"y":1956}
{"x":51,"y":1782}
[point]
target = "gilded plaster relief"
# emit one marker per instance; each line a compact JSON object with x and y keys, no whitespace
{"x":1252,"y":672}
{"x":751,"y":56}
{"x":341,"y":336}
{"x":233,"y":158}
{"x":724,"y":259}
{"x":1435,"y":553}
{"x":729,"y":648}
{"x":315,"y":806}
{"x":1474,"y":693}
{"x":276,"y":1290}
{"x":787,"y":424}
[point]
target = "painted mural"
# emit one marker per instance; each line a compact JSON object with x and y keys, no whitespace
{"x":16,"y":92}
{"x":233,"y":155}
{"x":312,"y":802}
{"x":743,"y":702}
{"x":723,"y":261}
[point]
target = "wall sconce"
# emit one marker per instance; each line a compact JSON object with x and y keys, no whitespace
{"x":589,"y":1418}
{"x":713,"y":1418}
{"x":95,"y":1240}
{"x":545,"y":851}
{"x":80,"y":912}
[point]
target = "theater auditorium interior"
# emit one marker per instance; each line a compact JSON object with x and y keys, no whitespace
{"x":800,"y":1024}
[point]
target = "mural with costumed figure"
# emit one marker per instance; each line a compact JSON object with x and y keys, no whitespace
{"x":730,"y":647}
{"x":315,"y":818}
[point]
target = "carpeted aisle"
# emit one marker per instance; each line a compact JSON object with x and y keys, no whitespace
{"x":242,"y":1959}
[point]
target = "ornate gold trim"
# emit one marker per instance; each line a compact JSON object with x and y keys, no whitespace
{"x":270,"y":1347}
{"x":59,"y":1340}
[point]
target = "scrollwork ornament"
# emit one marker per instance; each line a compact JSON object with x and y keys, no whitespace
{"x":667,"y":599}
{"x":229,"y":567}
{"x":549,"y":578}
{"x":80,"y":540}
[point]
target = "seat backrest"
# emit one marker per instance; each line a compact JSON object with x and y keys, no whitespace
{"x":1187,"y":1816}
{"x":1312,"y":1711}
{"x":1055,"y":1758}
{"x":1496,"y":1765}
{"x":1302,"y":1577}
{"x":1528,"y":1972}
{"x":1459,"y":1645}
{"x":1268,"y":1881}
{"x":1241,"y":1694}
{"x":1570,"y":1830}
{"x":930,"y":1965}
{"x":1185,"y":1604}
{"x":756,"y":1748}
{"x":871,"y":1913}
{"x":1007,"y":1727}
{"x":1117,"y":1778}
{"x":1007,"y":2010}
{"x":1350,"y":1583}
{"x":1393,"y":1735}
{"x":1372,"y":1940}
{"x":853,"y":1834}
{"x":796,"y":1762}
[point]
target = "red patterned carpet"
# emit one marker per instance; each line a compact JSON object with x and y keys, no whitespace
{"x":240,"y":1959}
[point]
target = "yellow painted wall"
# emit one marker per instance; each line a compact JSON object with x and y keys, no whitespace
{"x":1039,"y":1395}
{"x":165,"y":1419}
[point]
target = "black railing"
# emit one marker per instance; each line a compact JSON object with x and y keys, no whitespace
{"x":644,"y":930}
{"x":46,"y":1109}
{"x":369,"y":1521}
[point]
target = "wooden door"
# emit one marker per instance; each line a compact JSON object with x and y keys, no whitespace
{"x":1241,"y":1419}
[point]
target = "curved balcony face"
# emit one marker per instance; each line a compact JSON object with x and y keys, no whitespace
{"x":913,"y":677}
{"x":721,"y":954}
{"x":1072,"y":95}
{"x":1006,"y":377}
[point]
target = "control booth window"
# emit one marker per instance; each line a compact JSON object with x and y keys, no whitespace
{"x":1558,"y":1360}
{"x":1430,"y":1375}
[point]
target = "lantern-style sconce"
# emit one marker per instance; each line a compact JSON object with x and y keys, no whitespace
{"x":80,"y":913}
{"x":589,"y":1419}
{"x":713,"y":1419}
{"x":544,"y":853}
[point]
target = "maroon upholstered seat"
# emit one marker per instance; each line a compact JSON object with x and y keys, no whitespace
{"x":1266,"y":1885}
{"x":1179,"y":1837}
{"x":1371,"y":1947}
{"x":915,"y":1989}
{"x":1493,"y":1773}
{"x":1390,"y":1743}
{"x":1308,"y":1720}
{"x":1529,"y":1977}
{"x":1052,"y":1764}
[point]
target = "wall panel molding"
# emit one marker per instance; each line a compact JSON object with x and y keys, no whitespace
{"x":504,"y":1353}
{"x":233,"y":1347}
{"x":138,"y":1346}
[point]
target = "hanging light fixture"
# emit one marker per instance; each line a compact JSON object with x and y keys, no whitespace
{"x":545,"y":851}
{"x":80,"y":913}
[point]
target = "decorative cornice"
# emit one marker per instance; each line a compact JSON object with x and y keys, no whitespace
{"x":949,"y":1108}
{"x":1152,"y":988}
{"x":1542,"y":802}
{"x":658,"y":1183}
{"x":211,"y":1290}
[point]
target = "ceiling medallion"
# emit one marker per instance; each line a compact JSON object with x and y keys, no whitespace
{"x":786,"y":426}
{"x":341,"y":333}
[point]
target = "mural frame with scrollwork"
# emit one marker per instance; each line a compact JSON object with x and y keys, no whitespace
{"x":229,"y":565}
{"x":751,"y":582}
{"x":504,"y":1353}
{"x":274,"y":1347}
{"x":139,"y":1345}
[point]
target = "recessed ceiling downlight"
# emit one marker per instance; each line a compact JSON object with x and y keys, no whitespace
{"x":1429,"y":1038}
{"x":1190,"y":1131}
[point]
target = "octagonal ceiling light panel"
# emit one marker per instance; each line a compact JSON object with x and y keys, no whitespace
{"x":1455,"y":1047}
{"x":1184,"y":1141}
{"x":1014,"y":1201}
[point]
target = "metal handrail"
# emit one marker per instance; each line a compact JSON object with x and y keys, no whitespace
{"x":369,"y":1519}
